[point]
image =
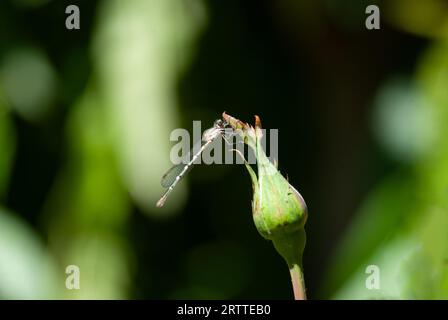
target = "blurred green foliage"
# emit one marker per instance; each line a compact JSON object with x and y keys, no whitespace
{"x":85,"y":117}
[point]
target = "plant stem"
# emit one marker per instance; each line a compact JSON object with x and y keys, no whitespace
{"x":290,"y":246}
{"x":297,"y":282}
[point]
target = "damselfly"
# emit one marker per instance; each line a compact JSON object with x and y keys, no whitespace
{"x":172,"y":177}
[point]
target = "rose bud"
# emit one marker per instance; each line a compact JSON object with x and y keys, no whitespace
{"x":278,"y":209}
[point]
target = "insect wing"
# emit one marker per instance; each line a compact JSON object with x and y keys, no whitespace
{"x":170,"y":176}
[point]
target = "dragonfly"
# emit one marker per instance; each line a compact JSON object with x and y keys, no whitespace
{"x":172,"y":177}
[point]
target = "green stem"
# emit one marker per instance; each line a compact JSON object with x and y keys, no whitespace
{"x":291,"y":246}
{"x":298,"y":283}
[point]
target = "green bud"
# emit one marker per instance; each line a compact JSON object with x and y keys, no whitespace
{"x":278,"y":209}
